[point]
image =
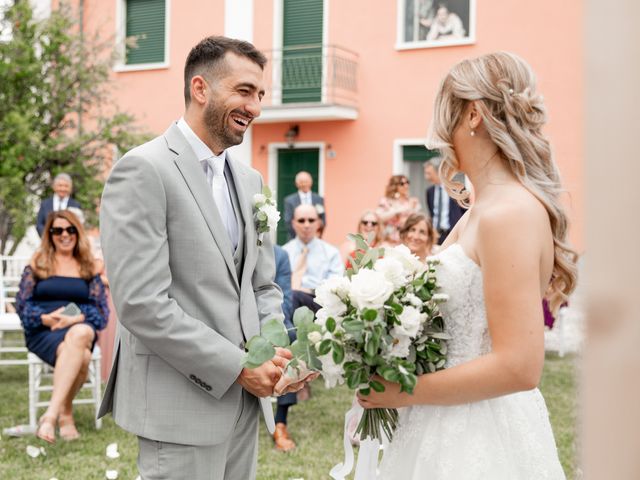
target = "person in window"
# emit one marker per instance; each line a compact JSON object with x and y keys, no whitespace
{"x":447,"y":26}
{"x":61,"y":272}
{"x":394,"y":208}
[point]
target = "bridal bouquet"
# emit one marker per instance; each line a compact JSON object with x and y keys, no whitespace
{"x":382,"y":318}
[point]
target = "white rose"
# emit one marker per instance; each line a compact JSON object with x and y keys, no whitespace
{"x":401,"y":343}
{"x":273,"y":216}
{"x":330,"y":293}
{"x":409,"y":261}
{"x":314,"y":337}
{"x":392,"y":269}
{"x":259,"y":198}
{"x":410,"y":321}
{"x":413,"y":300}
{"x":332,"y":373}
{"x":370,"y":289}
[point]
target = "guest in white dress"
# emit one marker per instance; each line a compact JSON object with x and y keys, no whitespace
{"x":483,"y":417}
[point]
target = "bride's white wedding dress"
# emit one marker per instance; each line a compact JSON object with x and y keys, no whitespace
{"x":503,"y":438}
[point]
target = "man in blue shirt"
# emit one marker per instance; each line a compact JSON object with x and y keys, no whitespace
{"x":312,"y":260}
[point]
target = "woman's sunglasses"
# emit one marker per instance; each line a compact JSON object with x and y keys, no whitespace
{"x":58,"y":230}
{"x":370,"y":223}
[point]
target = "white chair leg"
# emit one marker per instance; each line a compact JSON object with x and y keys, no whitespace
{"x":34,"y":376}
{"x":96,"y":389}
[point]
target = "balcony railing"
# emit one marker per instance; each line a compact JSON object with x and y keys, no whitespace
{"x":303,"y":79}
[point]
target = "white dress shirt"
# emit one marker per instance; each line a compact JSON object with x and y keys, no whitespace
{"x":214,"y":167}
{"x":305,"y":198}
{"x":59,"y":203}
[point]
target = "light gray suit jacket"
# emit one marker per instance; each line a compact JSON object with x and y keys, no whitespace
{"x":186,"y":304}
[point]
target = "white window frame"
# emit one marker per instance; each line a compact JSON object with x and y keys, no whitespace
{"x":402,"y":44}
{"x":121,"y":30}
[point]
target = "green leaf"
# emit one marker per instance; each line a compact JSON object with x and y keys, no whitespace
{"x":275,"y":332}
{"x":266,"y":191}
{"x":331,"y":324}
{"x":338,"y":352}
{"x":370,"y":314}
{"x":325,"y":346}
{"x":259,"y":350}
{"x":377,"y":386}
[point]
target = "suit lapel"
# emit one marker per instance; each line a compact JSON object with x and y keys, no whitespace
{"x":196,"y":181}
{"x":246,"y":209}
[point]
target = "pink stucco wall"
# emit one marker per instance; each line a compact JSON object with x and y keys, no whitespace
{"x":395,"y":88}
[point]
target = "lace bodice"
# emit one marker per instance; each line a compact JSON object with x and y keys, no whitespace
{"x":465,"y":317}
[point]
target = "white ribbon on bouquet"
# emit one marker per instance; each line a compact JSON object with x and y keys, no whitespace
{"x":367,"y":465}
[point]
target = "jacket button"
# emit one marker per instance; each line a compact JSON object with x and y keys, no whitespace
{"x":192,"y":377}
{"x":241,"y":345}
{"x":208,"y":387}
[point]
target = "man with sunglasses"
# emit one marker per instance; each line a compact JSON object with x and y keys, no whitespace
{"x":191,"y":281}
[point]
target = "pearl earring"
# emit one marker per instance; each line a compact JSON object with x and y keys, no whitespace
{"x":473,"y":133}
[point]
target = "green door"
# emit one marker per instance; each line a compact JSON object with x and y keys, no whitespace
{"x":290,"y":162}
{"x":302,"y":51}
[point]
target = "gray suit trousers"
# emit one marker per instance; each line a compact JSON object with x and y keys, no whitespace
{"x":232,"y":460}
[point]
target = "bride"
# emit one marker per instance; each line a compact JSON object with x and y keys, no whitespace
{"x":483,"y":417}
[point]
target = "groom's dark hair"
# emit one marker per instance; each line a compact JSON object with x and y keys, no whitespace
{"x":207,"y":59}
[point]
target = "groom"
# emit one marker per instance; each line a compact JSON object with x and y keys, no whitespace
{"x":189,"y":282}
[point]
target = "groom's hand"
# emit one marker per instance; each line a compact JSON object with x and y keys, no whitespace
{"x":261,"y":380}
{"x":282,"y":357}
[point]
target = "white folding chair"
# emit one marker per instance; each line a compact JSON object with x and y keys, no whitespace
{"x":10,"y":273}
{"x":41,"y":382}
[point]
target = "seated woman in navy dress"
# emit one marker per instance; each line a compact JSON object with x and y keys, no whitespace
{"x":62,"y":271}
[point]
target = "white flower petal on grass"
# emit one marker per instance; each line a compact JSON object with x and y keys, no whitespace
{"x":370,"y":289}
{"x":111,"y":474}
{"x":392,"y":270}
{"x":112,"y":450}
{"x":33,"y":452}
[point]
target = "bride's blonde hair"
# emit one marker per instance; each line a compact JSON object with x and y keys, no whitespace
{"x":502,"y":85}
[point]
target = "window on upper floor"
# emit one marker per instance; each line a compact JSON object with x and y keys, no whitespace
{"x":435,"y":23}
{"x":143,"y":31}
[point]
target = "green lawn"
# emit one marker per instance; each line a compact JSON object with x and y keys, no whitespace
{"x":316,"y":425}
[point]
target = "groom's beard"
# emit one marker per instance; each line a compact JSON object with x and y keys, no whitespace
{"x":218,"y":126}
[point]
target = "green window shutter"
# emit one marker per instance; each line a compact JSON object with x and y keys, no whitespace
{"x":302,"y":51}
{"x":290,"y":162}
{"x":418,"y":153}
{"x":145,"y":20}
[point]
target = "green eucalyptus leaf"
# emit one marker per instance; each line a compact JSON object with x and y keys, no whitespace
{"x":275,"y":332}
{"x":259,"y":350}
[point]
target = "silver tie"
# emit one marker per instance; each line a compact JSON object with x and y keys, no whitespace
{"x":220,"y":189}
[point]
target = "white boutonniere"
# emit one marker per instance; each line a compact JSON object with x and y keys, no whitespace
{"x":265,"y":212}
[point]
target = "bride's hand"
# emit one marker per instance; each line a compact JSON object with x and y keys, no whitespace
{"x":390,"y":398}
